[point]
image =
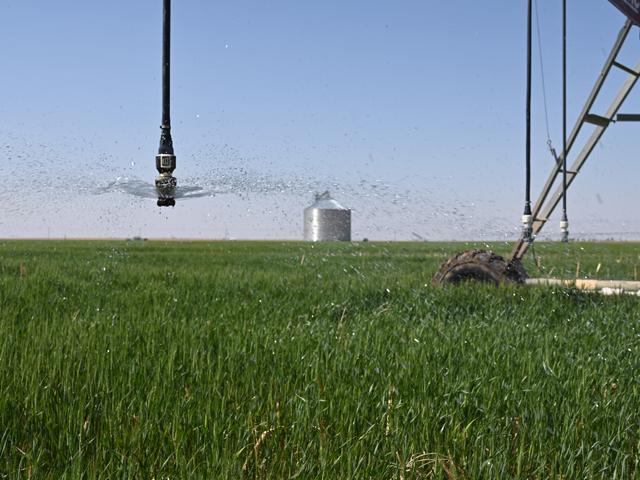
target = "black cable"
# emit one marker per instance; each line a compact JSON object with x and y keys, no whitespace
{"x":542,"y":76}
{"x":552,"y":150}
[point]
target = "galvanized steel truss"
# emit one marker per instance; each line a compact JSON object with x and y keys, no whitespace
{"x":545,"y":205}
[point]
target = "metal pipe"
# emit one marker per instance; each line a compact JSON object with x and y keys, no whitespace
{"x":166,"y":159}
{"x":528,"y":126}
{"x":548,"y":207}
{"x":166,"y":142}
{"x":541,"y":210}
{"x":610,"y":287}
{"x":166,"y":64}
{"x":564,"y":222}
{"x":526,"y":216}
{"x":622,"y":36}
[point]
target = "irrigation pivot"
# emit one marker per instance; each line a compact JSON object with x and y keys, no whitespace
{"x":631,"y":8}
{"x":486,"y":266}
{"x":166,"y":160}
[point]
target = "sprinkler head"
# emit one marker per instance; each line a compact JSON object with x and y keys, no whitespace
{"x":527,"y":230}
{"x":166,"y":202}
{"x":166,"y":188}
{"x":165,"y":163}
{"x":166,"y":183}
{"x":564,"y":231}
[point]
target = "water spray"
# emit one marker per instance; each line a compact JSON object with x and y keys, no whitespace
{"x":165,"y":182}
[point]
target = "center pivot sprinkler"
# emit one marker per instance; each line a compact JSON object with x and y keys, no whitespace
{"x":165,"y":182}
{"x":480,"y":265}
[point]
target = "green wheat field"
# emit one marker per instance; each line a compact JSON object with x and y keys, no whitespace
{"x":277,"y":360}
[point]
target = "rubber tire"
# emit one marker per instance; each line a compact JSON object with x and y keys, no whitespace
{"x":479,"y":266}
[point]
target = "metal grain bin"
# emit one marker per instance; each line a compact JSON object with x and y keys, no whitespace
{"x":326,"y":220}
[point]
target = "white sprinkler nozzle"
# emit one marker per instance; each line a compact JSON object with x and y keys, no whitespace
{"x":564,"y":231}
{"x":527,"y":230}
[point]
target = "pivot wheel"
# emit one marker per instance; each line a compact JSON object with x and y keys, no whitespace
{"x":480,"y":266}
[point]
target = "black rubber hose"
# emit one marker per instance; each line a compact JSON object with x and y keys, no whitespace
{"x":527,"y":199}
{"x":166,"y":142}
{"x":166,"y":65}
{"x":564,"y":110}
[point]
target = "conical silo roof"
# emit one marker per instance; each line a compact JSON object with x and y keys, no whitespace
{"x":325,"y":202}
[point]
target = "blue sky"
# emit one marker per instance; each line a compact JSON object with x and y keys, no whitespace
{"x":412,"y":112}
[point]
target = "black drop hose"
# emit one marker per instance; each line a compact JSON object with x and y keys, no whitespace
{"x":166,"y":142}
{"x":527,"y":198}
